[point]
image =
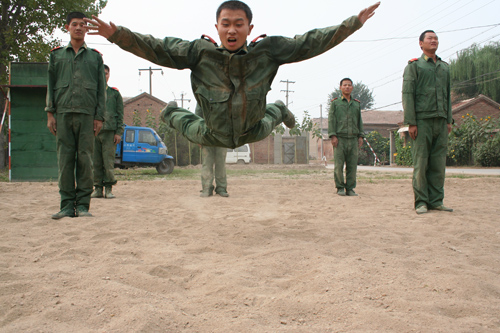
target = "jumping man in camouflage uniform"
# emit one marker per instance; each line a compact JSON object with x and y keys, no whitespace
{"x":106,"y":141}
{"x":427,"y":111}
{"x":231,"y":81}
{"x":76,"y":100}
{"x":345,"y":128}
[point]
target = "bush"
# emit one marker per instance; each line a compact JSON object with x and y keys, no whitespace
{"x":380,"y":145}
{"x":487,"y":154}
{"x":403,"y":154}
{"x":472,"y":143}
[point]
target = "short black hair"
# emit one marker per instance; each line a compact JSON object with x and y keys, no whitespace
{"x":235,"y":5}
{"x":422,"y":35}
{"x":106,"y":68}
{"x":344,"y":79}
{"x":74,"y":15}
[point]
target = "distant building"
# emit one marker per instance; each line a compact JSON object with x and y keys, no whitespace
{"x":480,"y":106}
{"x":141,"y":103}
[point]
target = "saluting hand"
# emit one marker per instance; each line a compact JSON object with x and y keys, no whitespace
{"x":366,"y":13}
{"x":99,"y":27}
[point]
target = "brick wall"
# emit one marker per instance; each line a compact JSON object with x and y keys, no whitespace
{"x":480,"y":109}
{"x":263,"y":151}
{"x":141,"y":104}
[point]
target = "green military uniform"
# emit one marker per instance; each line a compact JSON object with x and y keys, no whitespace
{"x":104,"y":151}
{"x":344,"y":122}
{"x":213,"y":158}
{"x":231,"y":88}
{"x":427,"y":104}
{"x":76,"y":94}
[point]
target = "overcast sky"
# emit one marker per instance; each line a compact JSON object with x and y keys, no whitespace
{"x":376,"y":54}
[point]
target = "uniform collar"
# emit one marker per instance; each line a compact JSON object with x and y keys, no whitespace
{"x":345,"y":99}
{"x":69,"y":46}
{"x":241,"y":51}
{"x":426,"y":58}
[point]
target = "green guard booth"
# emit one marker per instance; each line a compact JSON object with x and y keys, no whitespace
{"x":32,"y":146}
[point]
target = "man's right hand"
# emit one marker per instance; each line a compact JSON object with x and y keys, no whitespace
{"x":100,"y":27}
{"x":51,"y":123}
{"x":412,"y":129}
{"x":335,"y":141}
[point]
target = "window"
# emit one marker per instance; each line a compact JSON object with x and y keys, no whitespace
{"x":129,"y":136}
{"x":242,"y":149}
{"x":147,"y":137}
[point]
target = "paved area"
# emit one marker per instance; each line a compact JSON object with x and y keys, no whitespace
{"x":450,"y":170}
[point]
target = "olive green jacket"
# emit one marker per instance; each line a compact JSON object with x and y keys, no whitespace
{"x":426,"y":90}
{"x":231,"y":88}
{"x":113,"y":117}
{"x":344,"y":119}
{"x":76,"y":82}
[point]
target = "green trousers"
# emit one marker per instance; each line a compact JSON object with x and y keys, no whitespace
{"x":214,"y":158}
{"x":195,"y":130}
{"x":75,"y":147}
{"x":104,"y":159}
{"x":429,"y":161}
{"x":346,"y":153}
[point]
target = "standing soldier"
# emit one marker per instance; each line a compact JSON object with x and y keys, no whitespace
{"x":427,"y":111}
{"x":106,"y":141}
{"x":345,"y":128}
{"x":213,"y":158}
{"x":76,"y":100}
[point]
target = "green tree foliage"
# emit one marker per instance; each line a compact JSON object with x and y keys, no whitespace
{"x":477,"y":71}
{"x":26,"y":27}
{"x":360,"y":91}
{"x":380,"y":145}
{"x":306,"y":126}
{"x":475,"y":142}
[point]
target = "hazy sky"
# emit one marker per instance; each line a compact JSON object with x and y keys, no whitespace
{"x":376,"y":54}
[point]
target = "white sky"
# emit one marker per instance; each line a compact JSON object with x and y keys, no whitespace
{"x":376,"y":54}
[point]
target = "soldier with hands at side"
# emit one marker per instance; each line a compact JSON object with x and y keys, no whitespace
{"x":345,"y":128}
{"x":427,"y":112}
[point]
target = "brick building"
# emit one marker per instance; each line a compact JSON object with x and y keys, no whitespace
{"x":480,"y":106}
{"x":141,"y":103}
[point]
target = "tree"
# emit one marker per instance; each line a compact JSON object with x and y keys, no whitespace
{"x":360,"y":91}
{"x":26,"y":27}
{"x":477,"y":71}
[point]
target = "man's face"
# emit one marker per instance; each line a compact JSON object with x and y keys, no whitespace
{"x":76,"y":29}
{"x":430,"y":43}
{"x":346,"y":88}
{"x":106,"y":72}
{"x":233,"y":28}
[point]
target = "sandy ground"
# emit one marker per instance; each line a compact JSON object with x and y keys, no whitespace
{"x":279,"y":255}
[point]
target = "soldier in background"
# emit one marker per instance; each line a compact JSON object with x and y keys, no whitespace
{"x":106,"y":141}
{"x":345,"y":128}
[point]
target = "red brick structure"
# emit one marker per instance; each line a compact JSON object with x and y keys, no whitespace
{"x":141,"y":103}
{"x":480,"y":106}
{"x":262,"y":152}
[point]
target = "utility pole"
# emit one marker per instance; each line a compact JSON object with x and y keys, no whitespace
{"x":182,"y":99}
{"x":150,"y":70}
{"x":287,"y":91}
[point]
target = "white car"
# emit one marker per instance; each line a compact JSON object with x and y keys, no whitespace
{"x":239,"y":155}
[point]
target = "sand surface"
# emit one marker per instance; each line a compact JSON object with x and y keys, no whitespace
{"x":281,"y":254}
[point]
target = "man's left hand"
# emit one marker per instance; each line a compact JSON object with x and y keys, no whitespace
{"x":360,"y":142}
{"x":449,"y":128}
{"x":97,"y":126}
{"x":366,"y":13}
{"x":117,"y":139}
